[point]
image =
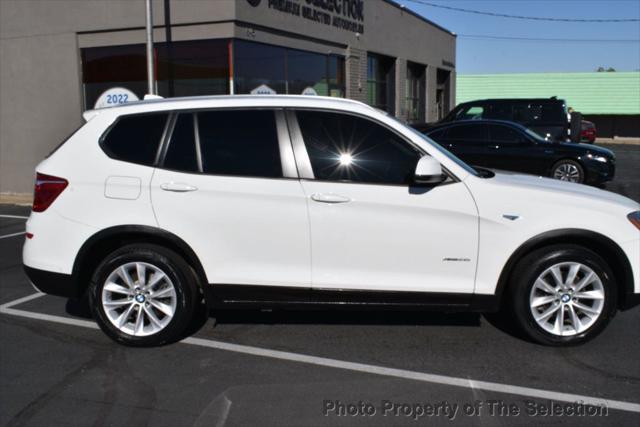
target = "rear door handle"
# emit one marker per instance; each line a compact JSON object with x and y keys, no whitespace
{"x":178,"y":187}
{"x":329,"y":198}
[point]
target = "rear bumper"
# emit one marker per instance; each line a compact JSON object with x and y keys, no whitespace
{"x":53,"y":283}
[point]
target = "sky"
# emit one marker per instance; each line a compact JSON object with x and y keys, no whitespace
{"x":482,"y":56}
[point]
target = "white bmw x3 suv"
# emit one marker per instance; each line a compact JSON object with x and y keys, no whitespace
{"x":159,"y":207}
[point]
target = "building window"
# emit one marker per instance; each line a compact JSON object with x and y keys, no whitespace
{"x":199,"y":67}
{"x":189,"y":68}
{"x":443,"y":92}
{"x":265,"y":68}
{"x":257,"y":65}
{"x":114,"y":66}
{"x":415,"y":96}
{"x":380,"y":82}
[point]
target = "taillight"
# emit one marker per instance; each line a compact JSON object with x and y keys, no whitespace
{"x":47,"y":189}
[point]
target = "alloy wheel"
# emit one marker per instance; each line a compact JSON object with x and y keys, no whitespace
{"x":567,"y":172}
{"x":139,"y":299}
{"x":567,"y":299}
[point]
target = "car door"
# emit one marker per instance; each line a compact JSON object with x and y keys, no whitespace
{"x":468,"y":141}
{"x":227,"y":185}
{"x":370,"y":228}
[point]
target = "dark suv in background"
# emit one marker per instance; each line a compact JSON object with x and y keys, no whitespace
{"x":548,"y":117}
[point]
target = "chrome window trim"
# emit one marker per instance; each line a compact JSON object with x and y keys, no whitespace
{"x":196,"y":137}
{"x":302,"y":160}
{"x":166,"y":139}
{"x":287,"y":158}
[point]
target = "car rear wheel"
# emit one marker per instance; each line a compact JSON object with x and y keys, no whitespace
{"x":143,"y":295}
{"x":563,"y":295}
{"x":568,"y":170}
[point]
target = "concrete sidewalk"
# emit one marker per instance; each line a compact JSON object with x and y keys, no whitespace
{"x":618,"y":140}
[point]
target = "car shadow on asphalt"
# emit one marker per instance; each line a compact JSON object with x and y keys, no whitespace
{"x":80,"y":308}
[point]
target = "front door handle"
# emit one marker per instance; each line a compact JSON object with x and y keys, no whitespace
{"x":329,"y":198}
{"x":177,"y":187}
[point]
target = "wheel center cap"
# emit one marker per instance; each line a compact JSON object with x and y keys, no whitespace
{"x":565,"y":298}
{"x":140,"y":298}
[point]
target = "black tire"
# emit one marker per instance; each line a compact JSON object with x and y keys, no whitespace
{"x":568,"y":162}
{"x":532,"y":266}
{"x":174,"y":267}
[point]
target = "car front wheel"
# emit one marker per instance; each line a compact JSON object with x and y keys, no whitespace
{"x":568,"y":170}
{"x":563,"y":295}
{"x":143,"y":295}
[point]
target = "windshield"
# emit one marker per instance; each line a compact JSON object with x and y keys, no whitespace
{"x":438,"y":147}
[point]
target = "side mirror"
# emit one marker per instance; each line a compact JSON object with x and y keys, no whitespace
{"x":428,"y":171}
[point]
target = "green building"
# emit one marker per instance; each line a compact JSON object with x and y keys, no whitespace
{"x":609,"y":99}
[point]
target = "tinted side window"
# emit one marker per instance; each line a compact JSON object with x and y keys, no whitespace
{"x":505,"y":134}
{"x":437,"y":135}
{"x":467,"y":133}
{"x":499,"y":111}
{"x":181,"y":153}
{"x":239,"y":142}
{"x":135,"y":138}
{"x":473,"y":113}
{"x":540,"y":112}
{"x":342,"y":147}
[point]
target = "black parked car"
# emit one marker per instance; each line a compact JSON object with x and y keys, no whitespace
{"x":509,"y":146}
{"x":548,"y":117}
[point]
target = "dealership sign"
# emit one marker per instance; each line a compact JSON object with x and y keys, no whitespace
{"x":343,"y":14}
{"x":115,"y":96}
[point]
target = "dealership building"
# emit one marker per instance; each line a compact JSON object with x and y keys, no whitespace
{"x":59,"y":58}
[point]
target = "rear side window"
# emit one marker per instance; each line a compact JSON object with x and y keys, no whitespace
{"x":468,"y":133}
{"x":135,"y":138}
{"x":239,"y":142}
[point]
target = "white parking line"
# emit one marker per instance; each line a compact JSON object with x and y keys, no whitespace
{"x":6,"y":236}
{"x":351,"y":366}
{"x":14,"y":216}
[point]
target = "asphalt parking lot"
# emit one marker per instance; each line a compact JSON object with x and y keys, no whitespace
{"x":294,"y":368}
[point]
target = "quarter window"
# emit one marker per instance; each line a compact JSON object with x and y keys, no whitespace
{"x":135,"y":138}
{"x":236,"y":142}
{"x":342,"y":147}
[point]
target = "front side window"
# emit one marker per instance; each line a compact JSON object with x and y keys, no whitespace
{"x":239,"y":142}
{"x":135,"y":138}
{"x":473,"y":113}
{"x":504,"y":134}
{"x":343,"y":147}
